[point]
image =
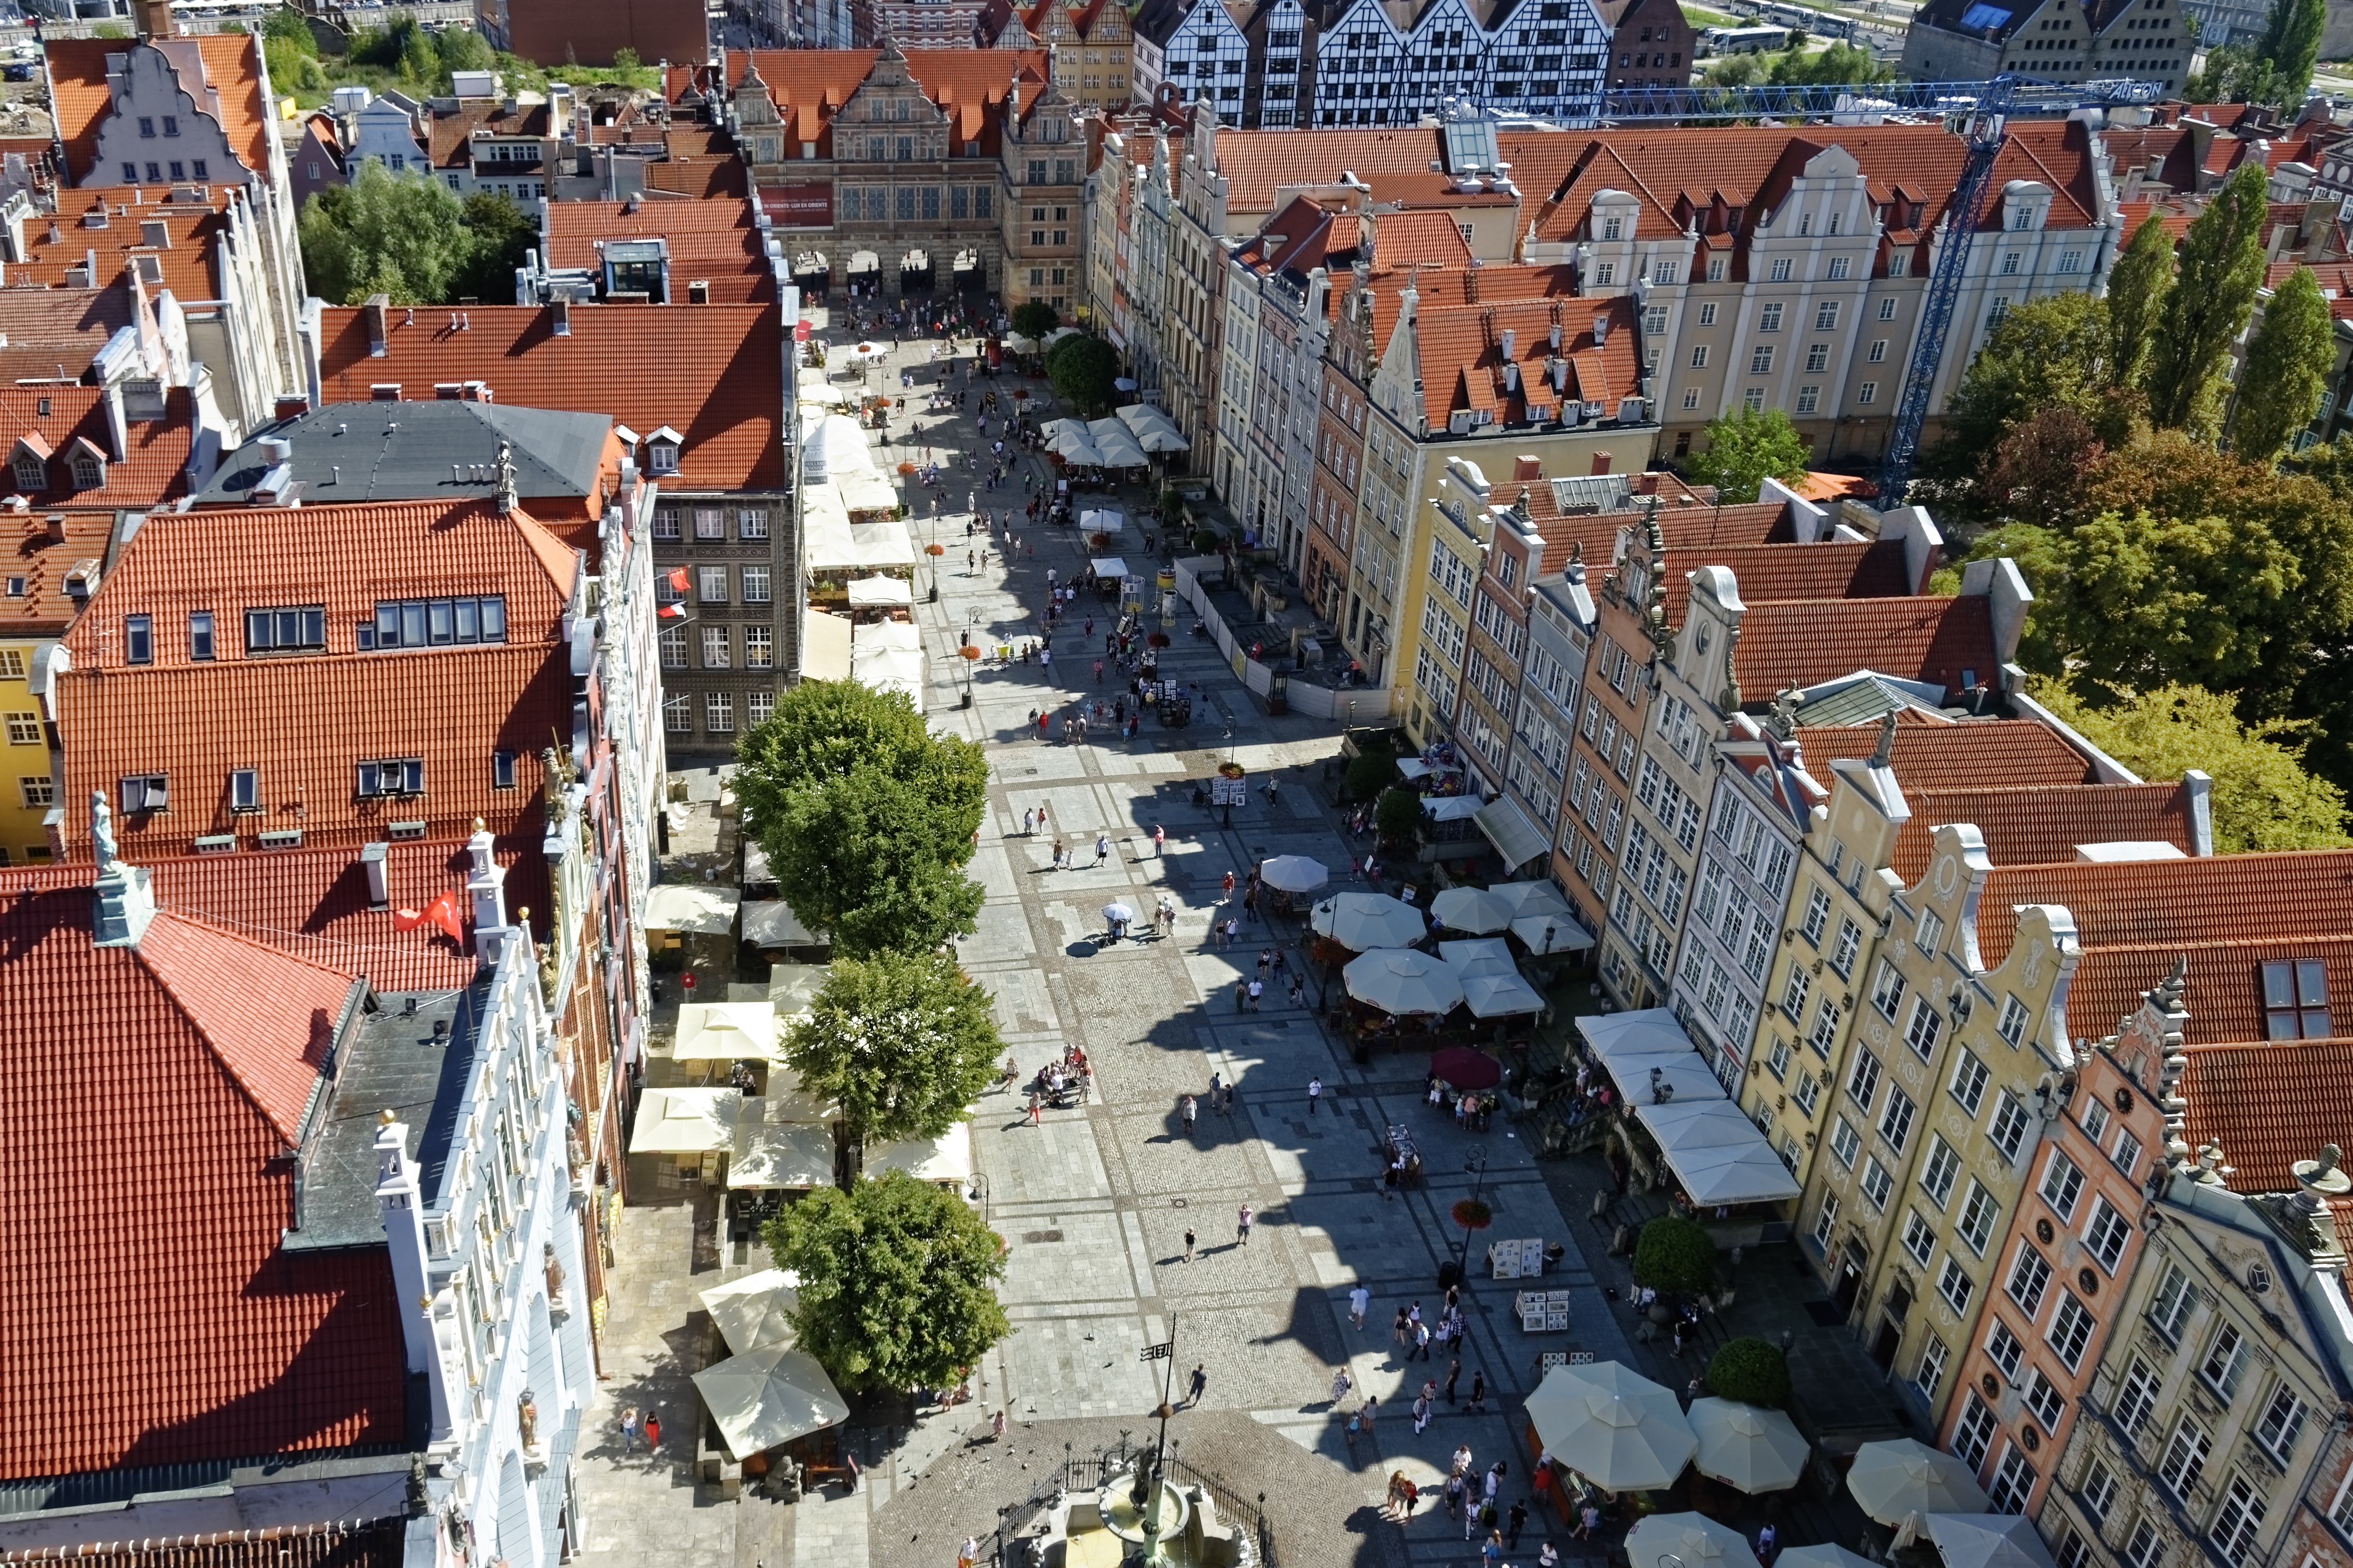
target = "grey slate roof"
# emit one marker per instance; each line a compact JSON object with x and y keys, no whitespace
{"x":404,"y":451}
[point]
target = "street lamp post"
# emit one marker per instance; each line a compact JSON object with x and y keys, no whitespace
{"x":1475,"y":1161}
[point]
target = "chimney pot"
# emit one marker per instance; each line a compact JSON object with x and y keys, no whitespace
{"x":1601,"y":462}
{"x":1527,"y":468}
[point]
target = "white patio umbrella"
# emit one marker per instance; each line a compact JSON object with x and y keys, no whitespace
{"x":685,"y":1121}
{"x":1904,"y":1476}
{"x":755,"y":1310}
{"x":1551,"y":932}
{"x":1472,"y":909}
{"x":1075,"y":447}
{"x":1161,"y":439}
{"x":768,"y":1397}
{"x":1821,"y":1557}
{"x":1988,"y":1541}
{"x":1400,"y":980}
{"x":1530,"y":898}
{"x":1746,"y":1448}
{"x":1692,"y":1538}
{"x":725,"y":1031}
{"x":1018,"y":344}
{"x":1362,"y":922}
{"x":1615,"y":1427}
{"x":1294,"y":873}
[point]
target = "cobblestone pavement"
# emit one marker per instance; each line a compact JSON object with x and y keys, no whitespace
{"x":1094,"y":1203}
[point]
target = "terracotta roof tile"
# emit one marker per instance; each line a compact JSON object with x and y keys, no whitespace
{"x":376,"y":1545}
{"x":809,"y":86}
{"x":1419,"y":238}
{"x":2035,"y":823}
{"x":188,"y":266}
{"x":1840,"y":569}
{"x":44,"y":330}
{"x":232,"y":68}
{"x":346,"y":558}
{"x":1464,"y":365}
{"x":1256,"y":162}
{"x":221,"y":1344}
{"x":711,"y":241}
{"x":718,"y":376}
{"x":2269,"y":1104}
{"x":1801,"y":642}
{"x":2283,"y":897}
{"x":1979,"y":754}
{"x":153,"y":472}
{"x":45,"y":608}
{"x":700,"y":178}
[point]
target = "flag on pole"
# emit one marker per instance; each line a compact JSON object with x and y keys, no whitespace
{"x":677,"y":578}
{"x":443,"y":912}
{"x":673,"y":613}
{"x":407,"y":919}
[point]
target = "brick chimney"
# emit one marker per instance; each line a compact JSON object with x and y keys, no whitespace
{"x":1525,"y":467}
{"x":1601,"y":462}
{"x":153,"y":18}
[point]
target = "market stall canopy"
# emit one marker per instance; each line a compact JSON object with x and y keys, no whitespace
{"x":1294,"y":873}
{"x":1492,"y":982}
{"x":1716,"y":1152}
{"x":1108,"y":567}
{"x":1362,"y":922}
{"x":755,"y":1310}
{"x":1748,"y":1450}
{"x":1400,"y":982}
{"x":1474,"y":909}
{"x":1904,"y":1476}
{"x":686,"y":1120}
{"x":888,"y":656}
{"x":1018,"y":344}
{"x":1551,"y":932}
{"x":1616,"y":1428}
{"x":1684,"y":1076}
{"x":1644,"y":1032}
{"x":770,"y":922}
{"x":1417,"y":768}
{"x":725,"y":1031}
{"x":1531,"y":899}
{"x":1161,"y":439}
{"x":792,"y":987}
{"x":1141,"y":416}
{"x":835,"y":448}
{"x":821,"y":393}
{"x":947,"y":1158}
{"x":1449,"y":807}
{"x":1821,"y":1557}
{"x":1118,"y":447}
{"x":1513,"y":832}
{"x":767,"y":1398}
{"x":688,"y":907}
{"x":825,"y":645}
{"x":1988,"y":1541}
{"x":1693,"y":1540}
{"x":874,"y":494}
{"x":838,"y":546}
{"x":1103,"y":520}
{"x":793,"y":1156}
{"x":877,"y":593}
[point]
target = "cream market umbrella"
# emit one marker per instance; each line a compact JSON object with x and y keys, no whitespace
{"x":1616,"y":1428}
{"x":1362,"y":922}
{"x":1748,"y":1450}
{"x":768,"y":1397}
{"x":1692,"y":1538}
{"x":1530,"y":900}
{"x":1399,"y":981}
{"x":1904,"y":1476}
{"x":1472,"y":909}
{"x":1294,"y":873}
{"x":1821,"y":1557}
{"x":1551,"y":933}
{"x":685,"y":1121}
{"x":725,"y":1031}
{"x":1988,"y":1541}
{"x":755,"y":1310}
{"x":1161,"y":439}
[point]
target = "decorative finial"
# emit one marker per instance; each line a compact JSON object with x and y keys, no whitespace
{"x":385,"y":1118}
{"x":481,"y":826}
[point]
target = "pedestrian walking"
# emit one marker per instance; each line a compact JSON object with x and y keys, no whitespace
{"x":996,"y":1427}
{"x":1359,"y":1299}
{"x":1201,"y":1381}
{"x":1033,"y":1108}
{"x":1057,"y":854}
{"x":1420,"y":1415}
{"x":1479,"y":1392}
{"x":1233,"y":930}
{"x":1768,"y":1545}
{"x":1588,"y":1519}
{"x":1549,"y":1557}
{"x":1402,"y":1327}
{"x":1372,"y":1407}
{"x":1315,"y":1093}
{"x":1192,"y":1111}
{"x":628,"y":1431}
{"x":1453,"y":1371}
{"x":1454,"y":1498}
{"x":1341,"y":1383}
{"x":1421,"y":1340}
{"x":1518,"y":1520}
{"x":1490,"y":1552}
{"x":653,"y":1431}
{"x":1265,"y":961}
{"x":1188,"y":1244}
{"x":1028,"y":823}
{"x":1159,"y":841}
{"x":1494,"y":1482}
{"x":1257,"y":990}
{"x":1243,"y":1221}
{"x":1041,"y":818}
{"x":1228,"y":888}
{"x":1103,"y":847}
{"x":1462,"y":1459}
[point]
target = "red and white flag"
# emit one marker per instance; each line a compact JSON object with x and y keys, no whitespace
{"x":677,"y":578}
{"x":443,"y":912}
{"x":672,"y":613}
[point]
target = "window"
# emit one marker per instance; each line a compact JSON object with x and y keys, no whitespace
{"x":1793,"y":993}
{"x":2063,"y":1184}
{"x":290,"y":629}
{"x":244,"y":790}
{"x":1818,"y":915}
{"x":2098,"y":1493}
{"x":1887,"y":989}
{"x":2135,"y":1396}
{"x":1845,"y":1142}
{"x":2008,"y":1128}
{"x":2012,"y":1025}
{"x":1826,"y":316}
{"x":2071,"y":1328}
{"x":1760,"y":360}
{"x":1850,"y":942}
{"x":2226,"y":1361}
{"x":1978,"y":1212}
{"x":1862,"y":1083}
{"x":24,"y":729}
{"x":1825,"y":1030}
{"x":673,"y":648}
{"x":758,"y":706}
{"x":2030,"y":1276}
{"x":752,"y":522}
{"x":2282,"y":1420}
{"x":200,"y":635}
{"x":1867,"y":393}
{"x":719,"y":712}
{"x":39,"y":792}
{"x":390,"y":776}
{"x":2185,"y":1457}
{"x":1780,"y":274}
{"x":2295,"y":1000}
{"x":1876,"y":1183}
{"x":1973,"y":1434}
{"x":502,"y":770}
{"x":715,"y":647}
{"x":1896,"y":1121}
{"x":2237,"y":1521}
{"x":678,"y":715}
{"x":1699,"y":356}
{"x":2124,"y":1151}
{"x":1939,"y":1171}
{"x":2071,"y":1551}
{"x":759,"y":647}
{"x":1955,"y":1286}
{"x":1895,"y":269}
{"x":1809,"y":399}
{"x":665,"y":522}
{"x":1839,"y":266}
{"x":430,"y":623}
{"x":1930,"y":1370}
{"x":710,"y":523}
{"x":2168,"y":1309}
{"x":2107,"y":1234}
{"x":1707,"y":314}
{"x":1969,"y":1082}
{"x":2004,"y":1350}
{"x":1818,"y":358}
{"x":1919,"y":1238}
{"x":146,"y":126}
{"x":2142,"y":1550}
{"x":1826,"y":1221}
{"x":662,"y":457}
{"x":756,"y":585}
{"x":2013,"y":1482}
{"x":1926,"y":1025}
{"x":1807,"y":1094}
{"x":138,"y":639}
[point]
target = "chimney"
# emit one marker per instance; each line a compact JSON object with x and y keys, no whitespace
{"x":487,"y":885}
{"x":153,"y":18}
{"x":1600,"y":462}
{"x":372,"y":859}
{"x":292,"y":406}
{"x":379,"y":330}
{"x":1526,"y":467}
{"x":404,"y":1233}
{"x":56,"y":527}
{"x":559,"y":311}
{"x":1511,"y":342}
{"x":154,"y":233}
{"x":698,"y":292}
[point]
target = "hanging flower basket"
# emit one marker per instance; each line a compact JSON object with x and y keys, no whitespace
{"x":907,"y":468}
{"x":935,"y":549}
{"x":1230,"y":770}
{"x":969,"y":651}
{"x":1473,"y":1216}
{"x":1098,"y":540}
{"x":1156,"y":639}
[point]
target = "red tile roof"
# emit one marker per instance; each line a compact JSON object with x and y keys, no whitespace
{"x":45,"y":608}
{"x":47,"y":332}
{"x":711,"y":241}
{"x":154,"y":469}
{"x":718,"y":377}
{"x":2288,"y":896}
{"x":1834,"y":569}
{"x":2268,"y":1104}
{"x":187,"y":266}
{"x":1418,"y":240}
{"x":699,"y":178}
{"x":809,"y":86}
{"x":346,"y":558}
{"x":377,"y":1545}
{"x":1255,"y":163}
{"x":191,"y":1054}
{"x":1948,"y":642}
{"x":2035,"y":824}
{"x":1464,"y":366}
{"x":1979,"y":755}
{"x":232,"y":67}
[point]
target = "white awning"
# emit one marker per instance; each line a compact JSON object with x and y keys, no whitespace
{"x":877,"y":593}
{"x":825,"y":647}
{"x":769,"y":1397}
{"x":870,"y":493}
{"x":1101,"y":519}
{"x":725,"y":1031}
{"x":1414,"y":767}
{"x":685,"y":1121}
{"x":948,"y":1158}
{"x":1492,"y":982}
{"x":1109,"y":566}
{"x":684,"y":906}
{"x":1451,"y":808}
{"x":1509,"y":828}
{"x":770,"y":922}
{"x":1717,"y":1152}
{"x":797,"y":1155}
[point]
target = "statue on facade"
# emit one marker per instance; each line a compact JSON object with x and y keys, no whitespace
{"x":101,"y":832}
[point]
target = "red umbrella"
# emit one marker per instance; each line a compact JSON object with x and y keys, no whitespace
{"x":1466,"y":1069}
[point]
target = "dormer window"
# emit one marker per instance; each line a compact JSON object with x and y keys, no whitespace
{"x":390,"y":775}
{"x":2295,"y":1000}
{"x":31,"y":462}
{"x":144,"y":791}
{"x":88,"y":469}
{"x":245,"y":789}
{"x":661,"y":451}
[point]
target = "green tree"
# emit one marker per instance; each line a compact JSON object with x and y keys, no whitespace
{"x":503,"y":236}
{"x":403,"y":235}
{"x":286,"y":22}
{"x":1034,"y":319}
{"x":2036,"y":474}
{"x":2049,"y":642}
{"x":897,"y":1282}
{"x":2221,"y":266}
{"x":1083,"y":371}
{"x":867,"y":818}
{"x":2289,"y":356}
{"x":2048,"y":352}
{"x":2289,"y":48}
{"x":1836,"y":65}
{"x":904,"y":1042}
{"x":1369,"y":771}
{"x":1751,"y":1372}
{"x":1747,"y":449}
{"x":2137,"y":286}
{"x":1674,"y":1254}
{"x":2233,"y":74}
{"x":2264,"y":798}
{"x":1397,"y":815}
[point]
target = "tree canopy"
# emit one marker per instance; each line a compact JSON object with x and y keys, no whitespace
{"x":1751,"y":1372}
{"x":1837,"y":65}
{"x":411,"y":236}
{"x":2221,"y":266}
{"x":2137,"y":286}
{"x":1034,"y":319}
{"x":1082,"y":369}
{"x":2289,"y":356}
{"x":2050,"y":352}
{"x":1675,"y":1254}
{"x":866,"y":817}
{"x":897,"y":1282}
{"x":2264,"y":798}
{"x":1747,"y":449}
{"x":902,"y":1041}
